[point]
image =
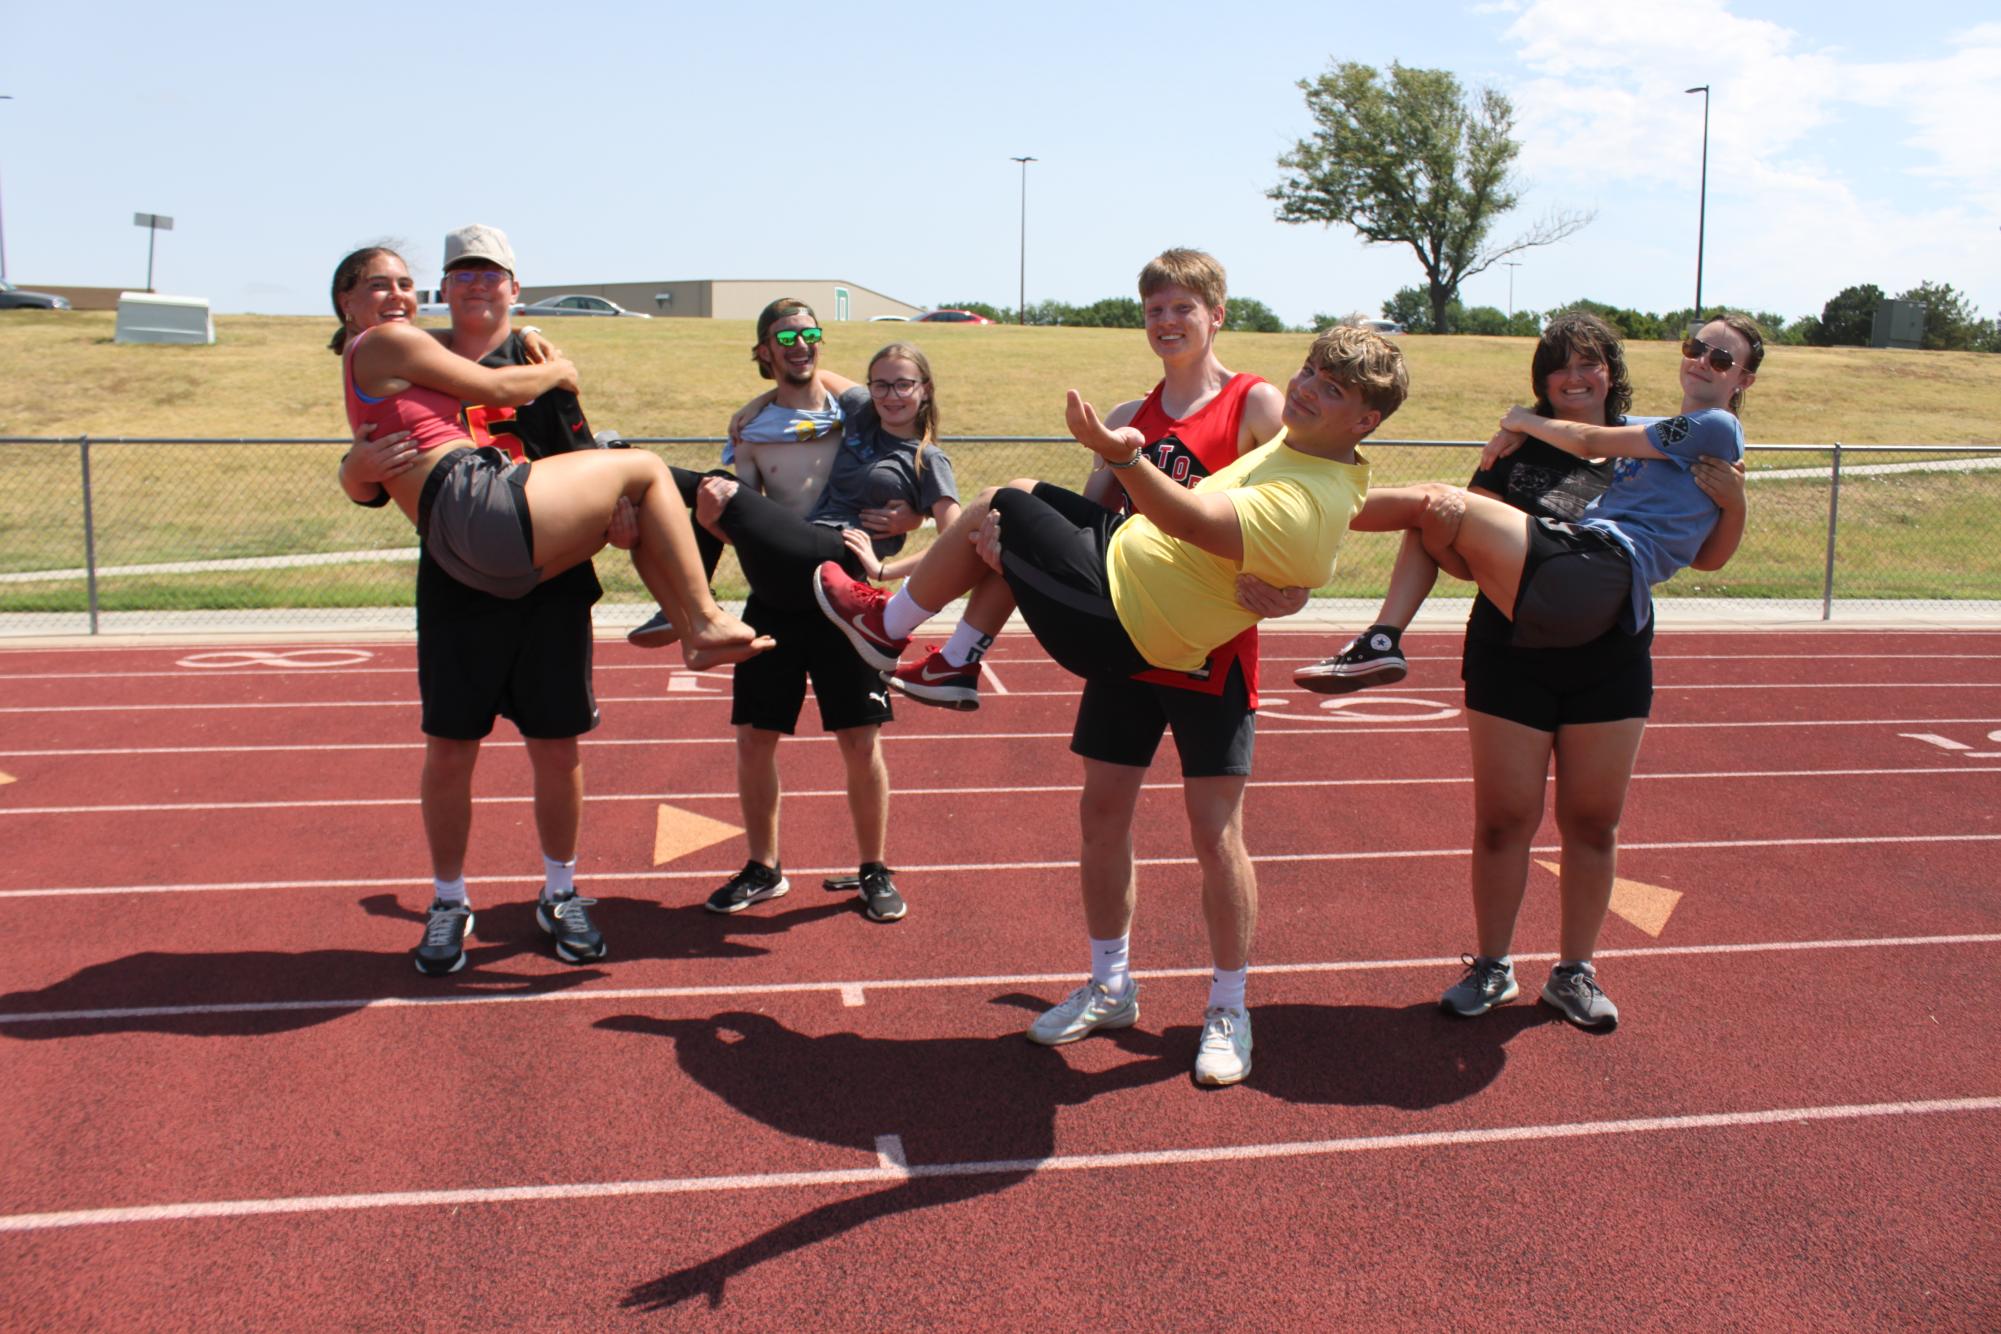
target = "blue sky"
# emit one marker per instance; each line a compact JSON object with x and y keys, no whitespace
{"x":1848,"y":143}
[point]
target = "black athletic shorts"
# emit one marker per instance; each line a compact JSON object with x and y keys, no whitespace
{"x":1606,"y":681}
{"x":527,"y":659}
{"x":769,"y":688}
{"x":1575,"y":583}
{"x":1120,"y":722}
{"x":1053,"y":545}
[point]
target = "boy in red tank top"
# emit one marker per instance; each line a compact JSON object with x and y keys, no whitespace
{"x":1197,"y":419}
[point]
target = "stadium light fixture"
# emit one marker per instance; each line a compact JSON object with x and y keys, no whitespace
{"x":1021,"y":299}
{"x":1702,"y":200}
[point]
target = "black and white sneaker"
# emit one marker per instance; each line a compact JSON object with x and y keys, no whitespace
{"x":880,"y":901}
{"x":657,"y":632}
{"x":446,"y":927}
{"x":1372,"y":658}
{"x":569,"y":925}
{"x":755,"y":883}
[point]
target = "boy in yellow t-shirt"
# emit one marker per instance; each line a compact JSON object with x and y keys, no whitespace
{"x":1109,"y":595}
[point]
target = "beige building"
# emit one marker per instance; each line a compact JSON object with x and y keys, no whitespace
{"x":736,"y":298}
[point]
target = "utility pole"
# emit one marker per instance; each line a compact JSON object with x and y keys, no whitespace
{"x":1021,"y":300}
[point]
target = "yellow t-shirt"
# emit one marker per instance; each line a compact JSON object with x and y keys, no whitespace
{"x":1179,"y":602}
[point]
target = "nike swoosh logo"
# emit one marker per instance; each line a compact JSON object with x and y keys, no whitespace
{"x":860,"y":623}
{"x":927,"y":675}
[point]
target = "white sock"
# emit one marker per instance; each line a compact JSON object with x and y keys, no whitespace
{"x":558,"y":878}
{"x":451,"y":891}
{"x":1111,"y":964}
{"x":903,"y":615}
{"x":1226,"y":987}
{"x":967,"y":645}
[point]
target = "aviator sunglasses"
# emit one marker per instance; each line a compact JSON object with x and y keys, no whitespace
{"x":808,"y":336}
{"x":1719,"y":359}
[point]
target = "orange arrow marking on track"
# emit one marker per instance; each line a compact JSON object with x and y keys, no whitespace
{"x":5,"y":779}
{"x":676,"y":833}
{"x":1646,"y":906}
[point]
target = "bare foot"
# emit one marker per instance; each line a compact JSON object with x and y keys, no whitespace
{"x":724,"y":639}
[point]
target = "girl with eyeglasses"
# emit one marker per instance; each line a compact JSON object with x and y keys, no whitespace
{"x":1557,"y":661}
{"x":493,"y":524}
{"x":889,"y":453}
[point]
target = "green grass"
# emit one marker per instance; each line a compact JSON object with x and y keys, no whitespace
{"x":1923,"y":535}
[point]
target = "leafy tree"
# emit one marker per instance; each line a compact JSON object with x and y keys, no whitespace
{"x":1846,"y":319}
{"x":1626,"y":323}
{"x":1248,"y":315}
{"x":1951,"y":322}
{"x":1411,"y":161}
{"x":1114,"y":312}
{"x":1492,"y":320}
{"x":1411,"y":307}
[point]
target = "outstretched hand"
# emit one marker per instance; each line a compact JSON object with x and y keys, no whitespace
{"x":1112,"y":446}
{"x":986,"y":540}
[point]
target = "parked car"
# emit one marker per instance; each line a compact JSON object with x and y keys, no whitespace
{"x":888,"y":319}
{"x":1380,"y":326}
{"x":13,"y":298}
{"x":579,"y":305}
{"x":952,"y":317}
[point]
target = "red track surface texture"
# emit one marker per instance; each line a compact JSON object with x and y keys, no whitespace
{"x":228,"y":1101}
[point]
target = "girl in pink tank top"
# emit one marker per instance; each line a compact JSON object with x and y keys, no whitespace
{"x":493,"y":524}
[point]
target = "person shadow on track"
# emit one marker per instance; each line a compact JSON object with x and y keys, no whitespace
{"x":976,"y":1115}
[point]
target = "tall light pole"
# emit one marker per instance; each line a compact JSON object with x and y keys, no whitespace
{"x":1021,"y":300}
{"x":1702,"y":200}
{"x":1511,"y":265}
{"x":4,"y":97}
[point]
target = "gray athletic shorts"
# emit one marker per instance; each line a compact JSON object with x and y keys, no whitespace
{"x":1575,"y":583}
{"x":473,"y":516}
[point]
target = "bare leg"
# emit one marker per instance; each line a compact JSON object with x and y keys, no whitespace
{"x":868,"y":788}
{"x":446,"y":795}
{"x":570,"y":498}
{"x":1411,"y":581}
{"x":1510,"y":767}
{"x":757,"y":790}
{"x":1594,"y":764}
{"x":1229,"y":885}
{"x":1105,"y":812}
{"x":951,"y":567}
{"x":559,"y":794}
{"x":1485,"y":537}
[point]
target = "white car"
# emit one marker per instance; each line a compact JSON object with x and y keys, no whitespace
{"x":578,"y":305}
{"x":1385,"y":327}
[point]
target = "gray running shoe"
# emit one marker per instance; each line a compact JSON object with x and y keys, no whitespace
{"x":1088,"y":1009}
{"x":446,"y":927}
{"x":1573,"y":989}
{"x":880,"y":901}
{"x":567,"y":921}
{"x":1488,"y":982}
{"x":1224,"y":1056}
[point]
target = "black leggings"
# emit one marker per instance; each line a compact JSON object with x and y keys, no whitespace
{"x":1053,"y":545}
{"x":778,"y":550}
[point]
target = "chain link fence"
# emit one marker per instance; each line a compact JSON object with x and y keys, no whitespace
{"x":204,"y":535}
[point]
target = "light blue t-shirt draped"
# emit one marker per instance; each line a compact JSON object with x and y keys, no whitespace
{"x":778,"y":425}
{"x":1654,"y":509}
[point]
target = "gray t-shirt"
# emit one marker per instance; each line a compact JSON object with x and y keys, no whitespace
{"x":778,"y":425}
{"x":874,"y":468}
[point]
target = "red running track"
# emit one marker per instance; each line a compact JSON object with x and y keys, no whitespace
{"x":227,"y":1100}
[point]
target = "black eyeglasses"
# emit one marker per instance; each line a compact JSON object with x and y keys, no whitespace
{"x":1696,"y":350}
{"x":893,"y":388}
{"x":808,"y":336}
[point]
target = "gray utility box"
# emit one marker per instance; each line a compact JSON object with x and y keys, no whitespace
{"x":146,"y":317}
{"x":1898,"y":324}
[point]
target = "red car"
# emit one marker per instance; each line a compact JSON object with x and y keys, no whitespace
{"x":952,"y":317}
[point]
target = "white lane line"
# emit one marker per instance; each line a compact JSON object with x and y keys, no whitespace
{"x":1002,"y":868}
{"x":592,"y":743}
{"x":891,"y":1167}
{"x":1047,"y":789}
{"x":723,"y":696}
{"x":602,"y":995}
{"x":995,"y":685}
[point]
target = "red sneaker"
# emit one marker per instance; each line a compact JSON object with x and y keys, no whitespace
{"x":855,"y":608}
{"x":933,"y":680}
